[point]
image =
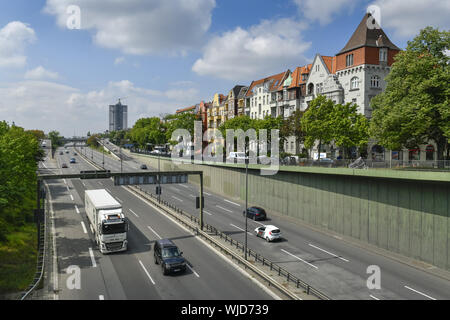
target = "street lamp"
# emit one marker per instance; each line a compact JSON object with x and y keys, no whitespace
{"x":246,"y":200}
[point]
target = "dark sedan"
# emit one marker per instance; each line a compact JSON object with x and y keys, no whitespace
{"x":256,"y":213}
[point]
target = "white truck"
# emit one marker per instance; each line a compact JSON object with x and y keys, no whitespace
{"x":109,"y":225}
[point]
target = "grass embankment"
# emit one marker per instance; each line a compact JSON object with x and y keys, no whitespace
{"x":18,"y":260}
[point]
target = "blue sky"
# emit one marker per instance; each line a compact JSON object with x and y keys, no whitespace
{"x":163,"y":55}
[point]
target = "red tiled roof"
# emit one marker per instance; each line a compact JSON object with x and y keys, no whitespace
{"x":277,"y":80}
{"x":185,"y":109}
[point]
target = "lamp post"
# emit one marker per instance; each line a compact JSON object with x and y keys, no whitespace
{"x":246,"y":200}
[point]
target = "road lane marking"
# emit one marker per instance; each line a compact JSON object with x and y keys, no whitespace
{"x":100,"y":183}
{"x":184,"y":186}
{"x":154,"y":232}
{"x":68,"y":188}
{"x":177,"y":198}
{"x":148,"y":274}
{"x":65,"y":182}
{"x":300,"y":259}
{"x":192,"y":196}
{"x":177,"y":190}
{"x":119,"y":200}
{"x":101,"y":297}
{"x":71,"y":197}
{"x":332,"y":254}
{"x":420,"y":293}
{"x":232,"y":202}
{"x":91,"y":253}
{"x":193,"y":271}
{"x":224,"y":208}
{"x":77,"y":210}
{"x":133,"y":213}
{"x":84,"y":227}
{"x":373,"y":297}
{"x":207,"y":212}
{"x":240,"y":229}
{"x":83,"y":183}
{"x":108,"y":190}
{"x":208,"y":194}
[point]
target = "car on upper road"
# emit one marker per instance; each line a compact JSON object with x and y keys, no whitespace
{"x":143,"y":167}
{"x":233,"y":157}
{"x":72,"y":160}
{"x":256,"y":213}
{"x":75,"y":154}
{"x":269,"y":233}
{"x":67,"y":151}
{"x":61,"y":153}
{"x":64,"y":165}
{"x":167,"y":254}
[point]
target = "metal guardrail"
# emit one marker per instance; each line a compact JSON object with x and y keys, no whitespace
{"x":40,"y":257}
{"x":258,"y":257}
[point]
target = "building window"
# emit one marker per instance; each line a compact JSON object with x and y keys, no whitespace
{"x":349,"y":60}
{"x":383,"y":54}
{"x":310,"y":88}
{"x":354,"y":83}
{"x":414,"y":154}
{"x":317,"y":68}
{"x":375,"y":81}
{"x":430,"y":152}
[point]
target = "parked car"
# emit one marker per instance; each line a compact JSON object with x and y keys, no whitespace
{"x":64,"y":165}
{"x":143,"y":167}
{"x":167,"y":254}
{"x":235,"y":156}
{"x":269,"y":233}
{"x":256,"y":213}
{"x":72,"y":160}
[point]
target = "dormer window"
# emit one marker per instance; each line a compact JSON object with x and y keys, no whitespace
{"x":349,"y":60}
{"x":383,"y":54}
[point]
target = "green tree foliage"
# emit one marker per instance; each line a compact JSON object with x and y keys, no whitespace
{"x":93,"y":141}
{"x":317,"y":122}
{"x":55,"y":138}
{"x":18,"y":153}
{"x":415,"y":105}
{"x":39,"y":134}
{"x":147,"y":130}
{"x":349,"y":127}
{"x":292,"y":127}
{"x":180,"y":121}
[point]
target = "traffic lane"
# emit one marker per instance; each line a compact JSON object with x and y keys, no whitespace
{"x":122,"y":273}
{"x":73,"y":249}
{"x":217,"y":280}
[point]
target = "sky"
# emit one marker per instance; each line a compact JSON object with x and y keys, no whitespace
{"x":63,"y":62}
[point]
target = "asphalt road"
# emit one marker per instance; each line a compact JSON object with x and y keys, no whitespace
{"x":336,"y":267}
{"x":132,"y":274}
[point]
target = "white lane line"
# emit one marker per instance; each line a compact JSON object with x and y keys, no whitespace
{"x":100,"y":183}
{"x":68,"y":188}
{"x":71,"y":197}
{"x":373,"y":297}
{"x":101,"y":297}
{"x":207,"y":212}
{"x":177,"y":190}
{"x":331,"y":254}
{"x":119,"y":200}
{"x":91,"y":253}
{"x":84,"y":227}
{"x":177,"y":198}
{"x":90,"y":226}
{"x":236,"y":204}
{"x":154,"y":232}
{"x":240,"y":228}
{"x":133,"y":213}
{"x":83,"y":183}
{"x":148,"y":274}
{"x":208,"y":194}
{"x":193,"y":271}
{"x":300,"y":259}
{"x":65,"y":182}
{"x":420,"y":293}
{"x":184,"y":186}
{"x":77,"y":210}
{"x":192,"y":196}
{"x":224,"y":208}
{"x":108,"y":190}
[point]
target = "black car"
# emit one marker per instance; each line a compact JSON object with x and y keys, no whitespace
{"x":64,"y":165}
{"x":256,"y":213}
{"x":143,"y":167}
{"x":61,"y":153}
{"x":167,"y":254}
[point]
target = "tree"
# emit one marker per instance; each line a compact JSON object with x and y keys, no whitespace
{"x":415,"y":105}
{"x":55,"y":138}
{"x":39,"y":134}
{"x":180,"y":121}
{"x":317,"y":122}
{"x":292,"y":127}
{"x":147,"y":130}
{"x":349,"y":127}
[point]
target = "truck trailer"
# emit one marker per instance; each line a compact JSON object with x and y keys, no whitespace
{"x":109,"y":225}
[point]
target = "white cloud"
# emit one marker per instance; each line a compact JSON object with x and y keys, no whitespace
{"x":267,"y":48}
{"x":13,"y":39}
{"x":323,"y":10}
{"x":52,"y":106}
{"x":119,"y":60}
{"x":40,"y":73}
{"x":407,"y":17}
{"x":140,"y":26}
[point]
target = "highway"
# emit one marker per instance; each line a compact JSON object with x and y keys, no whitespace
{"x":336,"y":267}
{"x":132,"y":274}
